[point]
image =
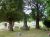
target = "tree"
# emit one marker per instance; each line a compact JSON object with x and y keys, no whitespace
{"x":38,"y":8}
{"x":1,"y":14}
{"x":48,"y":9}
{"x":25,"y":26}
{"x":13,"y":11}
{"x":26,"y":15}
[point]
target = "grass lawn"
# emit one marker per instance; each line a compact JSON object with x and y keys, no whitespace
{"x":30,"y":33}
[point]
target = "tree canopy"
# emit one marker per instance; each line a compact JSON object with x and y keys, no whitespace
{"x":12,"y":9}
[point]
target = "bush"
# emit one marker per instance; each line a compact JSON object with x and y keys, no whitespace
{"x":47,"y":23}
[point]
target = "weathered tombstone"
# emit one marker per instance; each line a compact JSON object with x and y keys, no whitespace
{"x":5,"y":24}
{"x":19,"y":34}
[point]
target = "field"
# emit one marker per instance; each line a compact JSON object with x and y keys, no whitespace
{"x":22,"y":33}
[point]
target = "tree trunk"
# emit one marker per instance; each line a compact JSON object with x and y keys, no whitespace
{"x":25,"y":22}
{"x":37,"y":18}
{"x":11,"y":24}
{"x":37,"y":23}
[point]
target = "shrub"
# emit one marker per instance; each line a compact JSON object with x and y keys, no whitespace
{"x":47,"y":23}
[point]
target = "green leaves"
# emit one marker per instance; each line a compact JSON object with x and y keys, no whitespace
{"x":12,"y":10}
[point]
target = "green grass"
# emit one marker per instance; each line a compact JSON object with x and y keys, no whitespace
{"x":30,"y":33}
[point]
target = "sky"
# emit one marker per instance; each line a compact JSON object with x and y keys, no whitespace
{"x":27,"y":9}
